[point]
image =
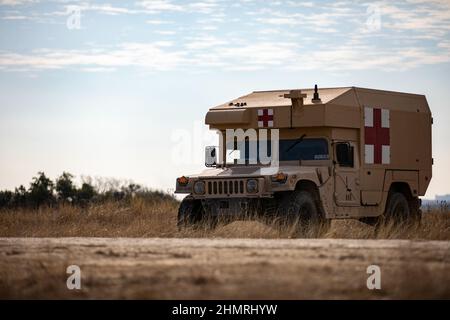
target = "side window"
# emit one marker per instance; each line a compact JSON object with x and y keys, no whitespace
{"x":344,"y":154}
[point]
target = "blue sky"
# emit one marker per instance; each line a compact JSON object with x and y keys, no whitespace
{"x":120,"y":89}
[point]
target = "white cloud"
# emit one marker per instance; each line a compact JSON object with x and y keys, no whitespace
{"x":429,"y":18}
{"x":262,"y":54}
{"x":269,"y":31}
{"x":16,"y":2}
{"x":153,"y":56}
{"x":364,"y":57}
{"x":108,"y":9}
{"x":100,"y":8}
{"x":156,"y":6}
{"x":210,"y":52}
{"x":12,"y":17}
{"x":445,"y":44}
{"x":158,"y":22}
{"x":203,"y":42}
{"x":300,"y":4}
{"x":329,"y":16}
{"x":204,"y":7}
{"x":292,"y":35}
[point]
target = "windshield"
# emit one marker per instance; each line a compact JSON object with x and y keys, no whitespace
{"x":289,"y":150}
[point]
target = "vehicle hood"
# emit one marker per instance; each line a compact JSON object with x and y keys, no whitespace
{"x":251,"y":171}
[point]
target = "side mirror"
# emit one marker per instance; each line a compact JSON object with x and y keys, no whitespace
{"x":211,"y":156}
{"x":344,"y":154}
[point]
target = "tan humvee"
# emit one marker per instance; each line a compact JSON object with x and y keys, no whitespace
{"x":342,"y":153}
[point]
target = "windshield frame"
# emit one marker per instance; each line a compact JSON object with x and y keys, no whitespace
{"x":233,"y":161}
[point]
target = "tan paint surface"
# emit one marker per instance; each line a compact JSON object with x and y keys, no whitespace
{"x":338,"y":116}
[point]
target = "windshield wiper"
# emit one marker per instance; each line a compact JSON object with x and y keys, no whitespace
{"x":296,"y":142}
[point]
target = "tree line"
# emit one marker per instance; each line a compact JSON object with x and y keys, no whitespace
{"x":42,"y":191}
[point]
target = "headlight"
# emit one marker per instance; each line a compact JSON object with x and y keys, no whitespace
{"x":252,"y":186}
{"x":199,"y":187}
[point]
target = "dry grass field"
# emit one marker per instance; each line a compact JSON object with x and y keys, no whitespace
{"x":143,"y":219}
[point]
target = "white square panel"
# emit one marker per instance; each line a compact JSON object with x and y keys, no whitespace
{"x":368,"y":117}
{"x":385,"y":154}
{"x":369,"y":154}
{"x":384,"y":118}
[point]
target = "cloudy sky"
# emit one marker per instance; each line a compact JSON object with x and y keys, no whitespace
{"x":120,"y":89}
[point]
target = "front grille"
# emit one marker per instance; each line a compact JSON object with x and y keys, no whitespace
{"x":225,"y":187}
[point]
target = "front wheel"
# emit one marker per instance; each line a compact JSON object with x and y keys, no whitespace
{"x":191,"y":214}
{"x":300,"y":209}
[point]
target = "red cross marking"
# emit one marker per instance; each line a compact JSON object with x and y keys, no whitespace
{"x":377,"y":136}
{"x":265,"y":118}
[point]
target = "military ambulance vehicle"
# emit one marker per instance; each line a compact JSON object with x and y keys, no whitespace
{"x":341,"y":153}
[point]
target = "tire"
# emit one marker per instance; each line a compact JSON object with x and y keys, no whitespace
{"x":190,"y":213}
{"x":415,"y":212}
{"x":398,"y":209}
{"x":300,"y":209}
{"x":269,"y":209}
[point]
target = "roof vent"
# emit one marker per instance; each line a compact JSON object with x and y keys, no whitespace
{"x":316,"y":98}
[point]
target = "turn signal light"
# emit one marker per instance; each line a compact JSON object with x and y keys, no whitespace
{"x":182,"y":181}
{"x":280,"y":177}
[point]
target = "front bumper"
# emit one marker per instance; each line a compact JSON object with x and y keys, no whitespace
{"x":233,"y":207}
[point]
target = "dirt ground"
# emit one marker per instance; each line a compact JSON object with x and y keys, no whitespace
{"x":171,"y":268}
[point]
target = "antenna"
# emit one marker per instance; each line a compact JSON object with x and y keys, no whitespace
{"x":316,"y":98}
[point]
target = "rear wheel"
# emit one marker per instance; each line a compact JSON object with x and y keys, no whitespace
{"x":299,"y":209}
{"x":415,"y":212}
{"x":400,"y":209}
